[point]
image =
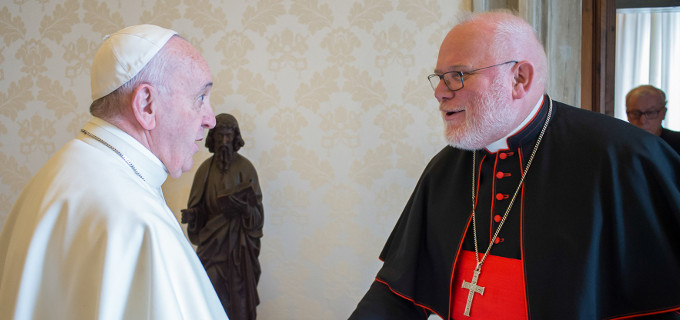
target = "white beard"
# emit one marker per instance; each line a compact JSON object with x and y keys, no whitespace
{"x":488,"y":118}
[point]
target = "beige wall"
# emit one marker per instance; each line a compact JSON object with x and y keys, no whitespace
{"x":558,"y":24}
{"x":331,"y":95}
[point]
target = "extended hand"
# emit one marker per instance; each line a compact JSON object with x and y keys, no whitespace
{"x":188,"y":215}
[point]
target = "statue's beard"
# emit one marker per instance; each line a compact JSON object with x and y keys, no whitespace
{"x":224,"y":155}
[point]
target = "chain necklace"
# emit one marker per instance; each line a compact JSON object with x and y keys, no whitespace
{"x":472,"y":286}
{"x":129,"y":163}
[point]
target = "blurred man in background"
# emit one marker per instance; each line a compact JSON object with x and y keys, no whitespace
{"x":646,"y":108}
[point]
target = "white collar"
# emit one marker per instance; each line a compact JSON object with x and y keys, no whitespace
{"x":502,"y":143}
{"x":148,"y":165}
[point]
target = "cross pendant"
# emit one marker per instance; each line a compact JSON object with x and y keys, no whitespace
{"x":473,"y":287}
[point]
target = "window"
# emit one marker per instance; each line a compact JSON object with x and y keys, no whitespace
{"x":648,"y":52}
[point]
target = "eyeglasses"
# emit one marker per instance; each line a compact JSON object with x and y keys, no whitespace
{"x":651,"y":114}
{"x":454,"y":79}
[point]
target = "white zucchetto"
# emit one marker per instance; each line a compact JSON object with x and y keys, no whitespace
{"x":123,"y":54}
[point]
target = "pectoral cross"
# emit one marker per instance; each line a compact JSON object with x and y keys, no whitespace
{"x":473,"y":287}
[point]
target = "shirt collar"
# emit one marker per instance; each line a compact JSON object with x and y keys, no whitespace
{"x":148,"y":165}
{"x":504,"y":142}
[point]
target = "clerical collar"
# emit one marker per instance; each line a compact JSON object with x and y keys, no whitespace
{"x":502,"y":143}
{"x":149,"y":166}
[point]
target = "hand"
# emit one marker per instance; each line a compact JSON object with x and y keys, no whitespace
{"x":188,"y":215}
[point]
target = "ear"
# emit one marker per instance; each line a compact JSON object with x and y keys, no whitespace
{"x":523,"y":77}
{"x":663,"y":112}
{"x":144,"y":104}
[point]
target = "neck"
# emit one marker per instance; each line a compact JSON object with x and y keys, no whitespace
{"x":132,"y":128}
{"x":502,"y":143}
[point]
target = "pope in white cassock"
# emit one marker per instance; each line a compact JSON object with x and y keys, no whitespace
{"x":91,"y":237}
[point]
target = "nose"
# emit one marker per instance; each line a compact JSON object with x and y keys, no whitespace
{"x":635,"y":122}
{"x":209,"y":118}
{"x":442,"y":92}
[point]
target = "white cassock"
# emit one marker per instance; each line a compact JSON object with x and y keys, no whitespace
{"x":89,"y":239}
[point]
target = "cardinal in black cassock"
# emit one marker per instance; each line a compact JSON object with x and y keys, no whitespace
{"x":593,"y":226}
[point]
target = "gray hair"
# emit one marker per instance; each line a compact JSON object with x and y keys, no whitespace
{"x":645,"y":90}
{"x":513,"y":39}
{"x":155,"y":73}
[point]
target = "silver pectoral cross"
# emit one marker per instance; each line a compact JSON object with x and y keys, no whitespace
{"x":474,"y":288}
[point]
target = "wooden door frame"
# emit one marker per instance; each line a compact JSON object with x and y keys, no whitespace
{"x":598,"y":55}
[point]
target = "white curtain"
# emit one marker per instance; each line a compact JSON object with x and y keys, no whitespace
{"x":648,"y":52}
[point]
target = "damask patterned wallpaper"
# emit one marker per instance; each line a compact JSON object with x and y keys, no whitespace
{"x":331,"y":96}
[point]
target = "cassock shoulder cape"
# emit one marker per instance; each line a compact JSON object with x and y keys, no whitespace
{"x":89,"y":239}
{"x":600,"y":225}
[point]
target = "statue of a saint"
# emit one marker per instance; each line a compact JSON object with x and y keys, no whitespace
{"x":225,"y":218}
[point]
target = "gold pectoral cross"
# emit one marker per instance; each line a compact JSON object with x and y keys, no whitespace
{"x":474,"y":288}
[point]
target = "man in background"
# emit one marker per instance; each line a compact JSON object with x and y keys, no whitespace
{"x":535,"y":209}
{"x":646,"y":109}
{"x":225,"y":218}
{"x":91,"y":237}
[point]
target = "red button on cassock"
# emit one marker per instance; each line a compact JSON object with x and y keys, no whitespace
{"x":503,"y":156}
{"x":497,"y":218}
{"x":500,"y":196}
{"x":501,"y":174}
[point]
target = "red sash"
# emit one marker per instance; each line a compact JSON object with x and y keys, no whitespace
{"x":503,"y":281}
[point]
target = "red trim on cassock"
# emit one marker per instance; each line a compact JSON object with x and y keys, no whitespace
{"x":521,"y":236}
{"x":453,"y":267}
{"x":492,"y":230}
{"x":675,"y":309}
{"x":408,"y":298}
{"x":462,"y":239}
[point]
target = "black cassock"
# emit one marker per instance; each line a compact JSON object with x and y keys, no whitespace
{"x":596,"y":224}
{"x":672,"y":138}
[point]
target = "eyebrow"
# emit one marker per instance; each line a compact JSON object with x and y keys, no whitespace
{"x":451,"y":68}
{"x":205,"y":88}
